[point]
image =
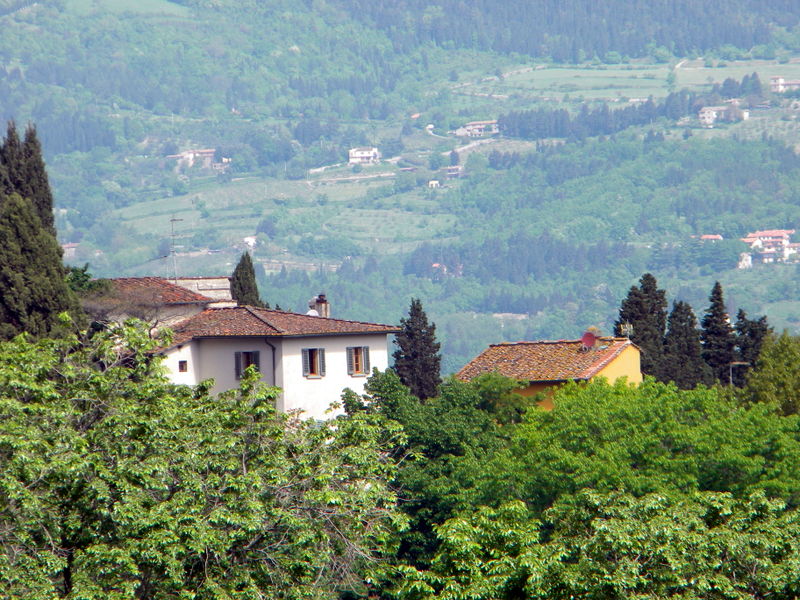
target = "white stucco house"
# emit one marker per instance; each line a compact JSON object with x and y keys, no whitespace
{"x":311,"y":358}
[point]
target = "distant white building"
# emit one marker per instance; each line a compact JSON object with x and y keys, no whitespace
{"x":478,"y":129}
{"x":708,"y":115}
{"x":364,"y":156}
{"x":778,"y":84}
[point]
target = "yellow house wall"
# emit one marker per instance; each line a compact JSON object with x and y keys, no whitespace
{"x":626,"y":364}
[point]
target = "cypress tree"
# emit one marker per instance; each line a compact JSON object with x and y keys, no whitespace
{"x":417,"y":360}
{"x":719,"y":343}
{"x":750,"y":336}
{"x":683,"y":352}
{"x":645,"y":309}
{"x":244,"y":288}
{"x":11,"y":159}
{"x":35,"y":185}
{"x":33,"y":287}
{"x":22,"y":171}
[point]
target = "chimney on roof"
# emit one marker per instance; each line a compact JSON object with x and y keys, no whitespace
{"x":321,"y":305}
{"x":589,"y":339}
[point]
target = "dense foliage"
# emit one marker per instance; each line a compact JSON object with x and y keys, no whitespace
{"x":116,"y":484}
{"x":570,"y":31}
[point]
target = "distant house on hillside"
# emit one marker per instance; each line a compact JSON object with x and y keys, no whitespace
{"x":778,"y":84}
{"x":545,"y":364}
{"x":203,"y":158}
{"x":478,"y":129}
{"x":708,"y":115}
{"x":771,"y":245}
{"x":364,"y":156}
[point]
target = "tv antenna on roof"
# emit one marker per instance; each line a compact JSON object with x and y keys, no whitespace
{"x":172,"y":222}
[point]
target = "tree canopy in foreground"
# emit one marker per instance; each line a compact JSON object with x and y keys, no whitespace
{"x":116,"y":484}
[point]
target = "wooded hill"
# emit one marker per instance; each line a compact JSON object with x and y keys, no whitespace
{"x":555,"y":233}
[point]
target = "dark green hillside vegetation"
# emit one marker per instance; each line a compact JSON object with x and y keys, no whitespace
{"x":560,"y":235}
{"x":571,"y":31}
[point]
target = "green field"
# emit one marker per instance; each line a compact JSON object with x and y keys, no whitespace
{"x":543,"y":82}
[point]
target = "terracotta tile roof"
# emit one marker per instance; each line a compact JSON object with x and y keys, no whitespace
{"x":559,"y":360}
{"x":154,"y":291}
{"x":779,"y":233}
{"x":248,"y":321}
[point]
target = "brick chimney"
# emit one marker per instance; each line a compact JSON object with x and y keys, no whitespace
{"x":321,"y":305}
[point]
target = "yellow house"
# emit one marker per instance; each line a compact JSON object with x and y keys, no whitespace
{"x":546,"y":364}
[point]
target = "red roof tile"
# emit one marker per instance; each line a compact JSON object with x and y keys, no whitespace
{"x":155,"y":291}
{"x":559,"y":360}
{"x":248,"y":321}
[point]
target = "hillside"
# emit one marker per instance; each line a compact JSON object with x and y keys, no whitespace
{"x":542,"y":235}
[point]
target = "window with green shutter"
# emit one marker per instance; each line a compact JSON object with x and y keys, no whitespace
{"x":242,"y":360}
{"x":313,"y":362}
{"x":358,"y":361}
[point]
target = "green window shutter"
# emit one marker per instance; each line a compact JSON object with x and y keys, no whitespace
{"x":350,"y":367}
{"x":306,"y":363}
{"x":321,"y":355}
{"x":237,"y":362}
{"x":365,"y":356}
{"x":257,"y":360}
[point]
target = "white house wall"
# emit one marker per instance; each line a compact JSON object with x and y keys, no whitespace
{"x":214,"y":358}
{"x":314,"y":395}
{"x":217,"y":360}
{"x":187,"y":352}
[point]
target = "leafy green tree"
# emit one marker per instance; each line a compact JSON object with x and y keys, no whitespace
{"x":683,"y":352}
{"x":446,"y":436}
{"x":116,"y":484}
{"x":32,"y":278}
{"x":611,"y":545}
{"x":719,"y":343}
{"x":244,"y":288}
{"x":417,"y":360}
{"x":435,"y":161}
{"x":651,"y":438}
{"x":775,"y":380}
{"x":645,"y":310}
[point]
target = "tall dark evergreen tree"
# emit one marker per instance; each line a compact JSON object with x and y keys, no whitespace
{"x":750,"y":336}
{"x":243,"y":283}
{"x":22,"y":171}
{"x":12,"y":162}
{"x":33,"y":287}
{"x":645,"y":310}
{"x":683,"y":352}
{"x":719,"y":343}
{"x":417,"y":360}
{"x":35,"y":185}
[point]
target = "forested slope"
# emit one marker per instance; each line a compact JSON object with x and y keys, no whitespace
{"x":575,"y":29}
